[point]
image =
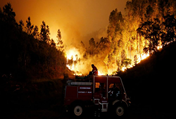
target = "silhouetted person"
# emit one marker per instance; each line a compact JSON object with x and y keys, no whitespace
{"x":94,"y":70}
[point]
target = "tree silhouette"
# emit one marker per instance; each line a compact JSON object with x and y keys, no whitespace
{"x":36,"y":32}
{"x":126,"y":62}
{"x":151,"y":31}
{"x":59,"y":41}
{"x":24,"y":56}
{"x":170,"y":27}
{"x":115,"y":34}
{"x":53,"y":43}
{"x":29,"y":26}
{"x":9,"y":15}
{"x":44,"y":34}
{"x":149,"y":12}
{"x":92,"y":42}
{"x":21,"y":24}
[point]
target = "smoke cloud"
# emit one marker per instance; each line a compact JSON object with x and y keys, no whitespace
{"x":75,"y":18}
{"x":78,"y":20}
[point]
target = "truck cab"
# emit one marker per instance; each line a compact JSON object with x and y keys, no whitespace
{"x":102,"y":94}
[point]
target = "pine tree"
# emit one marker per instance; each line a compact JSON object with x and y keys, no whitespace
{"x":35,"y":32}
{"x":45,"y":32}
{"x":9,"y":14}
{"x":59,"y":41}
{"x":29,"y":27}
{"x":53,"y":43}
{"x":21,"y":24}
{"x":114,"y":32}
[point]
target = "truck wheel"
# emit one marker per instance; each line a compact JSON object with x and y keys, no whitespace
{"x":119,"y":110}
{"x":77,"y":110}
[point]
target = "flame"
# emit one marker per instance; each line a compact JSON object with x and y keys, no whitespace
{"x":71,"y":67}
{"x":144,"y":56}
{"x":159,"y":47}
{"x":72,"y":53}
{"x":78,"y":74}
{"x":100,"y":73}
{"x":140,"y":58}
{"x":123,"y":69}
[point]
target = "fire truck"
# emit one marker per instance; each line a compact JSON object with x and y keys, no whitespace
{"x":100,"y":94}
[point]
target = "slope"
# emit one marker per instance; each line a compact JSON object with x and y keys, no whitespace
{"x":152,"y":85}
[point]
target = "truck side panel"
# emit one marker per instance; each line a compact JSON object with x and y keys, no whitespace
{"x":73,"y":93}
{"x":70,"y":94}
{"x":85,"y":92}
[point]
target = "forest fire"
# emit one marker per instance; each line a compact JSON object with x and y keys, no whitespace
{"x":143,"y":56}
{"x":99,"y":73}
{"x":73,"y":64}
{"x":74,"y":60}
{"x":128,"y":41}
{"x":159,"y":47}
{"x":72,"y":54}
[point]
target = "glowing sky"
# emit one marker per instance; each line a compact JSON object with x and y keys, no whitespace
{"x":75,"y":18}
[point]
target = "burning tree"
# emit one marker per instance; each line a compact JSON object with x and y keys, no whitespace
{"x":131,"y":37}
{"x":115,"y":33}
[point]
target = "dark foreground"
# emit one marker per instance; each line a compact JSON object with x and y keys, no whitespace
{"x":149,"y":101}
{"x":53,"y":109}
{"x":151,"y":86}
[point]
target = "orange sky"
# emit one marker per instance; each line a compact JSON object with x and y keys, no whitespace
{"x":75,"y":18}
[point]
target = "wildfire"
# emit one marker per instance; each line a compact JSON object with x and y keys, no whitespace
{"x":159,"y":47}
{"x":143,"y":56}
{"x":72,"y":54}
{"x":71,"y":67}
{"x":123,"y":68}
{"x":140,"y":58}
{"x":74,"y":65}
{"x":100,"y":73}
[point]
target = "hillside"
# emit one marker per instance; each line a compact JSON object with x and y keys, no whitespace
{"x":152,"y":85}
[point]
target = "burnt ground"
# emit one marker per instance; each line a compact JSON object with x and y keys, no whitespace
{"x":151,"y":86}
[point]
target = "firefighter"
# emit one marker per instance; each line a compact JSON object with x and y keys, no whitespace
{"x":94,"y":70}
{"x":114,"y":91}
{"x":91,"y":73}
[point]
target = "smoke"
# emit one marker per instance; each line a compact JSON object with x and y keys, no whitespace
{"x":78,"y":20}
{"x":84,"y":65}
{"x":102,"y":32}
